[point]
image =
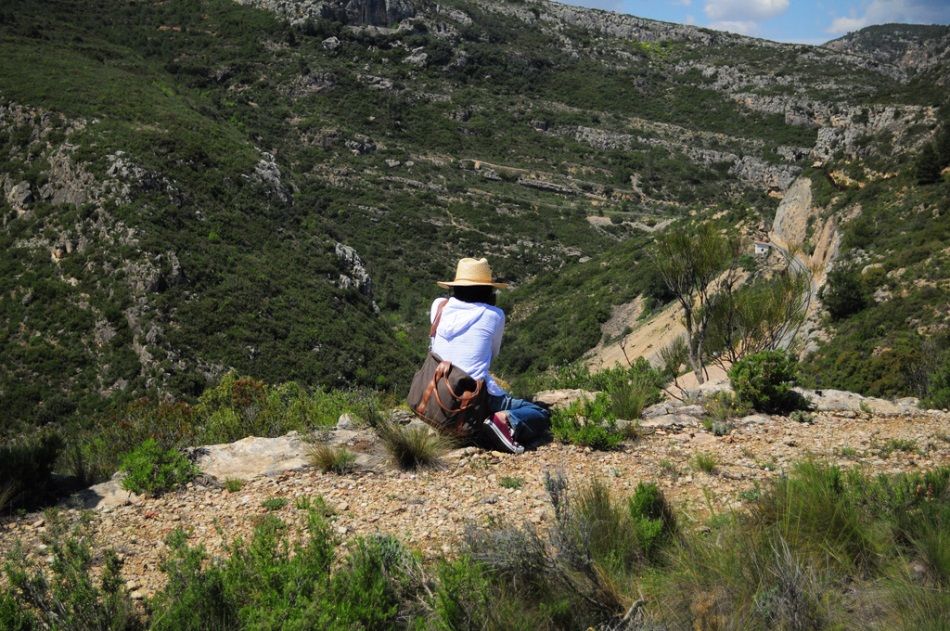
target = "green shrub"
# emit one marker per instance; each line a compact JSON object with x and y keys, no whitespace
{"x":628,"y":396}
{"x":270,"y":582}
{"x":589,"y":423}
{"x":152,"y":470}
{"x":233,"y":485}
{"x":66,"y":594}
{"x":725,"y":406}
{"x":938,"y":386}
{"x":802,"y":416}
{"x":764,"y":380}
{"x":652,"y":518}
{"x":844,"y":294}
{"x":25,"y":467}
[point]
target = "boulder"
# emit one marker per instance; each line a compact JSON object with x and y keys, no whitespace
{"x":563,"y":398}
{"x":671,"y":421}
{"x":108,"y":494}
{"x":840,"y":400}
{"x":253,"y":456}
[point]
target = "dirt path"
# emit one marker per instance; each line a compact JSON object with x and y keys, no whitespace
{"x":430,"y":509}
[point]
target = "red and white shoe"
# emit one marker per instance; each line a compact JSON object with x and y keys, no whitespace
{"x":501,"y":430}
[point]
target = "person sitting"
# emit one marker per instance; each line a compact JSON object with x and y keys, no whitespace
{"x":469,"y":335}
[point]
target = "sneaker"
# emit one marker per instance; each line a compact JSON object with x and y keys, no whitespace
{"x":502,"y":432}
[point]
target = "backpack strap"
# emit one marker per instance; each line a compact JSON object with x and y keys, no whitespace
{"x":438,"y":317}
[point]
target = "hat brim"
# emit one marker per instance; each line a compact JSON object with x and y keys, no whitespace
{"x":469,"y":283}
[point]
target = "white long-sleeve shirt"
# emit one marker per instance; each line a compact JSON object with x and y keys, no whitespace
{"x":469,"y":336}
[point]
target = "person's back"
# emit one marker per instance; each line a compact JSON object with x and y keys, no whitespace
{"x":469,"y":335}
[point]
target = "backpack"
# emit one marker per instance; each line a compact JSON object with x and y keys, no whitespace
{"x":446,"y":397}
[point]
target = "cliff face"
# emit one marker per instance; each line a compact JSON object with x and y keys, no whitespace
{"x":354,"y":12}
{"x":914,"y":48}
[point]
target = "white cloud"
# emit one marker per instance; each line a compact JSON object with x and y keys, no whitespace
{"x":742,"y":27}
{"x":884,"y":11}
{"x":744,"y":11}
{"x":690,"y":19}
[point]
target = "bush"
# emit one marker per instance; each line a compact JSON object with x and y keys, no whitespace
{"x":785,"y":565}
{"x":844,"y":294}
{"x":764,"y":380}
{"x":938,"y":386}
{"x":652,"y":518}
{"x":151,"y":470}
{"x":589,"y":423}
{"x":25,"y":467}
{"x":724,"y":406}
{"x":270,"y":582}
{"x":412,"y":447}
{"x":64,"y":594}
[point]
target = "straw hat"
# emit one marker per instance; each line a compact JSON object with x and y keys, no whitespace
{"x":470,"y":272}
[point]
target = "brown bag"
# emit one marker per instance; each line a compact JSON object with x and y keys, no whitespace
{"x":445,"y":396}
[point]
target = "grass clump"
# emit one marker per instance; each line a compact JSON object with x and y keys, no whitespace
{"x":233,"y":485}
{"x":906,"y":445}
{"x":510,"y":482}
{"x":412,"y":447}
{"x":331,"y":459}
{"x":272,"y":504}
{"x":589,"y":423}
{"x":705,"y":462}
{"x":151,"y":470}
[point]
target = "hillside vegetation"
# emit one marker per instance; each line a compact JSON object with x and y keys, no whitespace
{"x":193,"y":187}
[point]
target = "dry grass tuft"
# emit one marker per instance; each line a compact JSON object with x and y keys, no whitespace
{"x":412,"y":447}
{"x":330,"y":459}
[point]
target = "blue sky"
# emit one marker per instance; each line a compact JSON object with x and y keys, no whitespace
{"x":804,"y":21}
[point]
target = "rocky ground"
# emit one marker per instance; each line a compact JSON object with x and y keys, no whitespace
{"x":429,"y":509}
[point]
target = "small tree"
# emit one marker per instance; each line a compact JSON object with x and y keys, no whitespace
{"x":760,"y":315}
{"x":688,"y":261}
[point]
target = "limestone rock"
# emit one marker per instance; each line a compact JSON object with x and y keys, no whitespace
{"x":670,"y":421}
{"x":563,"y":398}
{"x":354,"y":273}
{"x":791,"y":218}
{"x":840,"y":400}
{"x":253,"y":456}
{"x":20,"y":197}
{"x":105,"y":495}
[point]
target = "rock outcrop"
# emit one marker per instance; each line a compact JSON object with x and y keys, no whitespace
{"x":355,"y":12}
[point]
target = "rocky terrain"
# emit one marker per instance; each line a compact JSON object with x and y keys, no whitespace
{"x":481,"y":487}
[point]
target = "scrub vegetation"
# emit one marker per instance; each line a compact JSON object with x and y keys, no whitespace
{"x":820,"y":548}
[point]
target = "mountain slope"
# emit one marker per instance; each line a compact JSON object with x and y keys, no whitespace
{"x":189,"y":187}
